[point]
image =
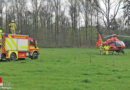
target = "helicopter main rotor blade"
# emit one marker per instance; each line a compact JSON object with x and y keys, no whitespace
{"x":123,"y":36}
{"x":108,"y":36}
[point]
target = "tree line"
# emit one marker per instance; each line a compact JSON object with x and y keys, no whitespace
{"x":67,"y":23}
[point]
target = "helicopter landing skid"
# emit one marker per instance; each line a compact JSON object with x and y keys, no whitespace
{"x":120,"y":51}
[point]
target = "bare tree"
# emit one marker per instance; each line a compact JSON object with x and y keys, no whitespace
{"x":20,"y":11}
{"x":36,"y":5}
{"x":106,"y":12}
{"x":85,"y":11}
{"x":74,"y":13}
{"x":1,"y":12}
{"x":57,"y":12}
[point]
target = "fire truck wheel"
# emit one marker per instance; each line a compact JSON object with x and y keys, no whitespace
{"x":35,"y":55}
{"x":21,"y":59}
{"x":13,"y":57}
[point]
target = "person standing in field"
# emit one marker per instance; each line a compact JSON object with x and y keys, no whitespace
{"x":12,"y":26}
{"x":0,"y":41}
{"x":101,"y":49}
{"x":0,"y":37}
{"x":106,"y":47}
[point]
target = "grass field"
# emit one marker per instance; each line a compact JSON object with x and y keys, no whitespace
{"x":68,"y":69}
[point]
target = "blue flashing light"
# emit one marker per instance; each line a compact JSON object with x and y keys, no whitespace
{"x":6,"y":35}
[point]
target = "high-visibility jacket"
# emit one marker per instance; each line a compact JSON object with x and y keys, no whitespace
{"x":0,"y":37}
{"x":12,"y":26}
{"x":106,"y":47}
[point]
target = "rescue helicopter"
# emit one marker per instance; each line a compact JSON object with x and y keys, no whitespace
{"x":114,"y":43}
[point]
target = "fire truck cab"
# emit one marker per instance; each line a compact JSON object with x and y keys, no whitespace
{"x":18,"y":47}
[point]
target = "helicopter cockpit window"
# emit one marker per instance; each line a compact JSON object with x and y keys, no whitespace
{"x":119,"y":43}
{"x":116,"y":43}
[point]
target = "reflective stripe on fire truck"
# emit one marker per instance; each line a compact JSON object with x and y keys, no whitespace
{"x":13,"y":41}
{"x":32,"y":47}
{"x":24,"y":47}
{"x":6,"y":48}
{"x":10,"y":44}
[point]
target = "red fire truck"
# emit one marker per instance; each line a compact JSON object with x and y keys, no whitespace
{"x":18,"y":47}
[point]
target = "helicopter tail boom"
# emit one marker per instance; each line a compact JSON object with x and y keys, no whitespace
{"x":99,"y":42}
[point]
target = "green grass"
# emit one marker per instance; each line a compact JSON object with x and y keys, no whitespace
{"x":68,"y":69}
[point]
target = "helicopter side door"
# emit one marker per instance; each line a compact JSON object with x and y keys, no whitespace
{"x":112,"y":45}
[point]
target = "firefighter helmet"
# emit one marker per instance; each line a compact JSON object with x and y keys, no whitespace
{"x":12,"y":21}
{"x":0,"y":31}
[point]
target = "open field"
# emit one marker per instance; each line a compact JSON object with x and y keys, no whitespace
{"x":68,"y":69}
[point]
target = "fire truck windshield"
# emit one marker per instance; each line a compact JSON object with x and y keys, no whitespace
{"x":31,"y":42}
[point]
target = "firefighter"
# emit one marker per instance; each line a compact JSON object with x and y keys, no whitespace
{"x":101,"y":49}
{"x":106,"y":47}
{"x":0,"y":37}
{"x":0,"y":41}
{"x":12,"y":26}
